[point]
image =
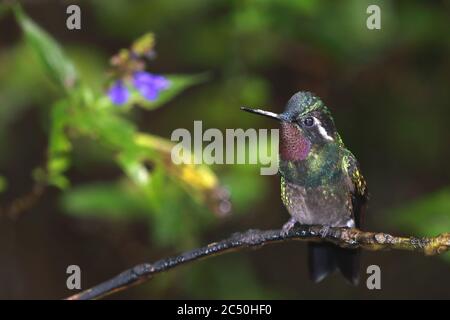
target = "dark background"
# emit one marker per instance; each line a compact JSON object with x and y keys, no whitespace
{"x":388,"y":91}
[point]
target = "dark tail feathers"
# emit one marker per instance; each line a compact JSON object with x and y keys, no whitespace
{"x":325,"y":258}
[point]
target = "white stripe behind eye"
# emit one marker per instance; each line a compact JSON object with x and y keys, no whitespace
{"x":323,"y":132}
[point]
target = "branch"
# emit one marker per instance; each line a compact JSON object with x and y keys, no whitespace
{"x":23,"y":203}
{"x":344,"y":237}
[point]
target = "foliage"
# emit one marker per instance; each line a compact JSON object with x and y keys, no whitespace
{"x":59,"y":68}
{"x":86,"y":112}
{"x":84,"y":126}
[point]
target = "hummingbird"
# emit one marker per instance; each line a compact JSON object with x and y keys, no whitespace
{"x":321,"y":182}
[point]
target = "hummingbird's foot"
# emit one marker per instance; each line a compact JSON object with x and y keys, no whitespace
{"x":288,"y":226}
{"x":324,"y":231}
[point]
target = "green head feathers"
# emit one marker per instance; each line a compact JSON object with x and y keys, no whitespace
{"x":302,"y":103}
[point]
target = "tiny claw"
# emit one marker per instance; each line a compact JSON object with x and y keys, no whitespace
{"x":288,"y":226}
{"x":324,"y":231}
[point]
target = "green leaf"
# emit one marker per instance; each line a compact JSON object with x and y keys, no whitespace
{"x":178,"y":83}
{"x":103,"y":200}
{"x":134,"y":169}
{"x":106,"y":126}
{"x":59,"y":67}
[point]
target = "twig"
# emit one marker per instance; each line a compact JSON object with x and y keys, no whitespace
{"x":344,"y":237}
{"x":23,"y":203}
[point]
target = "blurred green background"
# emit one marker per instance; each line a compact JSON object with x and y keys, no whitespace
{"x":388,"y":90}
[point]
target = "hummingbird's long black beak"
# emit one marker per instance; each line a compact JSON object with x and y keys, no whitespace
{"x":265,"y":113}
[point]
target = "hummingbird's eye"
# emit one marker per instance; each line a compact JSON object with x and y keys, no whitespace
{"x":309,"y":121}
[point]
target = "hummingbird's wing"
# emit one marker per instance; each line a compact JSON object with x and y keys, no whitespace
{"x":359,"y":193}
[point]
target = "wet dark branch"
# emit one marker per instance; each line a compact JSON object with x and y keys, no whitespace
{"x":345,"y":237}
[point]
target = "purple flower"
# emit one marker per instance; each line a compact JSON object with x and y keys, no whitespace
{"x":149,"y":85}
{"x":118,"y":93}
